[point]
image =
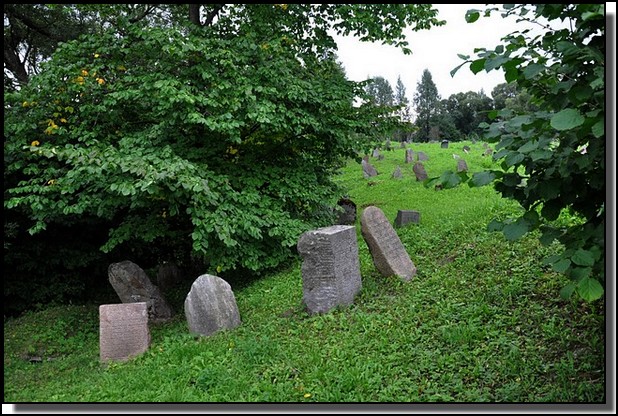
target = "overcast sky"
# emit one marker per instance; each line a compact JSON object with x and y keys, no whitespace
{"x":436,"y":50}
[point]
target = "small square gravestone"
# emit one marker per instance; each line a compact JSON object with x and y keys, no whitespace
{"x":407,"y":216}
{"x":123,"y":331}
{"x":444,"y":144}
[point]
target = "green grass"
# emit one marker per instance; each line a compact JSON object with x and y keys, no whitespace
{"x":481,"y":322}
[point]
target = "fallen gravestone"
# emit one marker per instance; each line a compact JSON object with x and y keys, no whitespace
{"x":331,"y":267}
{"x":397,"y":173}
{"x":462,"y":166}
{"x":132,"y":285}
{"x":348,"y":216}
{"x":422,"y":156}
{"x":210,"y":306}
{"x":407,"y":216}
{"x":419,"y":171}
{"x":409,"y":155}
{"x":123,"y":331}
{"x":388,"y":253}
{"x":368,"y":169}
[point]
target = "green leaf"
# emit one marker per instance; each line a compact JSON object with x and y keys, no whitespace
{"x":578,"y":273}
{"x":567,"y":291}
{"x":482,"y":178}
{"x":533,"y":69}
{"x":599,"y":129}
{"x":589,"y":289}
{"x":567,"y":119}
{"x":561,"y":266}
{"x":528,"y":147}
{"x":472,"y":15}
{"x":513,"y":158}
{"x":549,"y":235}
{"x":495,"y":225}
{"x":583,"y":258}
{"x":515,"y":230}
{"x":477,"y":66}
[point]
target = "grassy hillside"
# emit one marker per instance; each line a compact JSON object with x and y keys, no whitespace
{"x":482,"y":321}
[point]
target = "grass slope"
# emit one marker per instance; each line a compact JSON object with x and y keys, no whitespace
{"x":481,"y":322}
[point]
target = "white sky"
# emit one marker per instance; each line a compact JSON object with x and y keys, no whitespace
{"x":436,"y":50}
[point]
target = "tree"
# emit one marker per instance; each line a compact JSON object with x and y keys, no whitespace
{"x":218,"y":135}
{"x":380,"y":92}
{"x":402,"y":102}
{"x":510,"y":96}
{"x":425,"y":100}
{"x":553,"y":158}
{"x":468,"y":110}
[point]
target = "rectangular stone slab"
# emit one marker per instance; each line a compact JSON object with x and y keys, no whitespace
{"x":123,"y":331}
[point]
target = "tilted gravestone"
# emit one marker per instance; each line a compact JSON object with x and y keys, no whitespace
{"x":405,"y":216}
{"x":210,"y":306}
{"x":409,"y":155}
{"x":419,"y":171}
{"x":123,"y":331}
{"x":368,"y":169}
{"x":422,"y":156}
{"x":466,"y":149}
{"x":348,"y":216}
{"x":388,"y":253}
{"x":397,"y":173}
{"x":331,"y":267}
{"x":462,"y":166}
{"x":132,"y":284}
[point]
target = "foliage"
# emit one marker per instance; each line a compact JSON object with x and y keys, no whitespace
{"x":404,"y":113}
{"x":220,"y":138}
{"x":467,"y":110}
{"x":425,"y":103}
{"x":481,"y":322}
{"x":380,"y":92}
{"x":553,"y":158}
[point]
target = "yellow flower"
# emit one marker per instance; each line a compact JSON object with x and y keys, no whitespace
{"x":63,"y":120}
{"x":101,"y":81}
{"x":307,"y":395}
{"x":84,"y":73}
{"x":96,"y":55}
{"x":51,"y":182}
{"x":35,"y":143}
{"x":79,"y":80}
{"x":24,"y":104}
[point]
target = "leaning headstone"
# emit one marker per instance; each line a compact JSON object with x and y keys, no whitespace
{"x":123,"y":331}
{"x":444,"y":144}
{"x":397,"y":173}
{"x":422,"y":156}
{"x":409,"y":155}
{"x":466,"y":149}
{"x":348,"y":216}
{"x":132,"y":284}
{"x":210,"y":306}
{"x":331,"y":267}
{"x":368,"y":169}
{"x":462,"y":166}
{"x":407,"y":216}
{"x":388,"y":253}
{"x":419,"y":171}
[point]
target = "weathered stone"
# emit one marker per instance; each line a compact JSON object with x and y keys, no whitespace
{"x":407,"y":216}
{"x":422,"y":156}
{"x":488,"y":152}
{"x":397,"y":173}
{"x":462,"y":166}
{"x":376,"y":152}
{"x":409,"y":155}
{"x":348,"y":216}
{"x":444,"y":144}
{"x":331,"y":267}
{"x":211,"y":306}
{"x":132,"y":285}
{"x":466,"y":149}
{"x":419,"y":171}
{"x":368,"y":169}
{"x":402,"y":145}
{"x":123,"y":331}
{"x":388,"y":253}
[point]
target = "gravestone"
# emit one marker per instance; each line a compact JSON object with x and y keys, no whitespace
{"x":397,"y":173}
{"x":132,"y":285}
{"x":331,"y":267}
{"x":462,"y":166}
{"x":368,"y":169}
{"x":168,"y":276}
{"x":466,"y":149}
{"x":366,"y":158}
{"x":388,"y":145}
{"x":444,"y":144}
{"x":388,"y":253}
{"x":210,"y":306}
{"x":402,"y":145}
{"x":488,"y":152}
{"x":123,"y":331}
{"x":380,"y":157}
{"x":407,"y":216}
{"x":348,"y":216}
{"x":422,"y":156}
{"x":376,"y":153}
{"x":419,"y":171}
{"x":409,"y":155}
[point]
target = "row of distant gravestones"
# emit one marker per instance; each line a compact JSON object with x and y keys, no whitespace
{"x":330,"y":272}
